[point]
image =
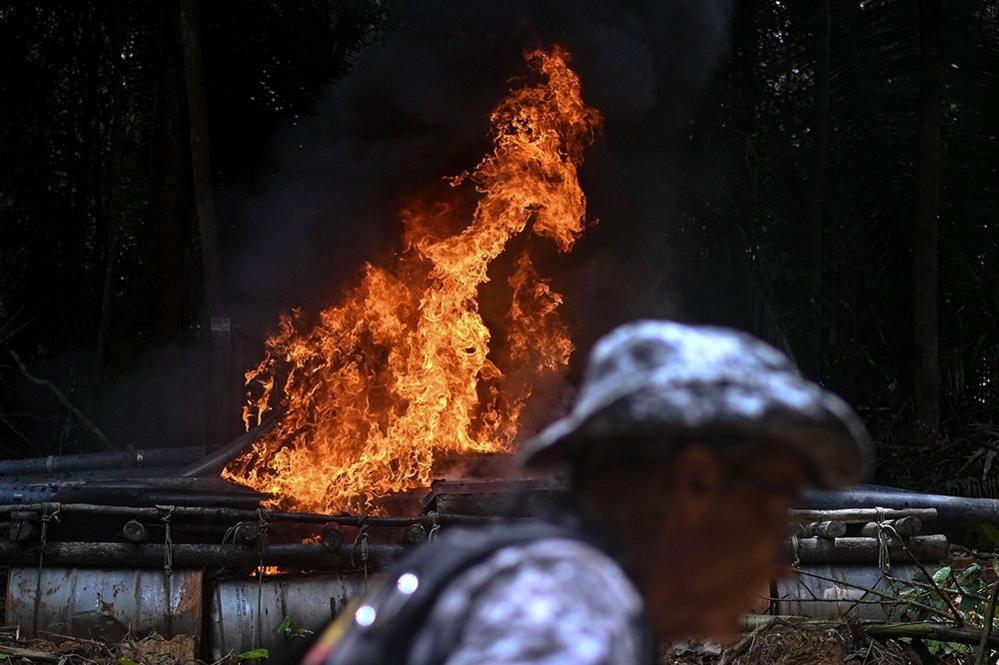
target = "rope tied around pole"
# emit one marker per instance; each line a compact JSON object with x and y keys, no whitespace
{"x":361,"y":547}
{"x":885,"y":533}
{"x":434,"y":526}
{"x":167,"y":563}
{"x":884,"y":554}
{"x":262,"y":523}
{"x":50,"y":511}
{"x":167,"y":539}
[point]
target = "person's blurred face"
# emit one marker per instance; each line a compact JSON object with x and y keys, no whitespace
{"x":707,"y":535}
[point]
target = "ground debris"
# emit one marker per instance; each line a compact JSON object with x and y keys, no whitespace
{"x":153,"y":649}
{"x":782,"y":645}
{"x":158,"y":650}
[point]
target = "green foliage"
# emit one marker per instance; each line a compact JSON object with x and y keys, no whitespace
{"x":968,"y":591}
{"x":289,"y":628}
{"x":992,"y":533}
{"x":253,"y":654}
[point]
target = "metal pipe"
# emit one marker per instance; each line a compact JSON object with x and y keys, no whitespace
{"x":88,"y":461}
{"x":183,"y":555}
{"x":954,"y":509}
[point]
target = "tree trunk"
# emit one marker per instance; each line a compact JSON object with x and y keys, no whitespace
{"x":114,"y":208}
{"x":817,"y":180}
{"x":197,"y":108}
{"x":171,"y":189}
{"x":926,"y":378}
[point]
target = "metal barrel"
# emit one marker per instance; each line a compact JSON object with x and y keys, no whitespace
{"x":245,"y":613}
{"x":819,"y":590}
{"x":104,"y":604}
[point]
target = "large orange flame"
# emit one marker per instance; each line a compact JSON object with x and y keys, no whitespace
{"x":401,"y":370}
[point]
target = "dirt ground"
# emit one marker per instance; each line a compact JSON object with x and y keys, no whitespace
{"x":795,"y":647}
{"x":775,"y":646}
{"x":151,"y":650}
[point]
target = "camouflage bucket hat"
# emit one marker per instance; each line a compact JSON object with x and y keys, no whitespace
{"x":651,"y":384}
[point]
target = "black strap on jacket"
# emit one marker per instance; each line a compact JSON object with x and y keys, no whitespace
{"x":380,"y":628}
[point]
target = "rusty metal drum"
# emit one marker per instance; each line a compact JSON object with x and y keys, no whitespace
{"x":104,"y":603}
{"x":839,"y":590}
{"x":246,"y":614}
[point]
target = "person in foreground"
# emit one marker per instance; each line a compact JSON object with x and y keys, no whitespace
{"x":684,"y":450}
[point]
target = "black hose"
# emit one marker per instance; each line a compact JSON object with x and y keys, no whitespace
{"x":129,"y":493}
{"x":214,"y":462}
{"x":152,"y":457}
{"x":952,"y":509}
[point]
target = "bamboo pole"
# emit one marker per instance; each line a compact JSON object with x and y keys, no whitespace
{"x":861,"y":515}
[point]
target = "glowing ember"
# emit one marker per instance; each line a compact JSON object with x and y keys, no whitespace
{"x":401,"y":371}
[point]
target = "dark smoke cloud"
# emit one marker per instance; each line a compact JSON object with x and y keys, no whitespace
{"x":415,"y":108}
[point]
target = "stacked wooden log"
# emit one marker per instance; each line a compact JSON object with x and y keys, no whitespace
{"x":854,"y":562}
{"x":859,"y":535}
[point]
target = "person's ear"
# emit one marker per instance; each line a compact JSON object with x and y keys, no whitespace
{"x":696,"y":484}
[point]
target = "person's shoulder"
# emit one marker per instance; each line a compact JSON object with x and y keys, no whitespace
{"x":563,"y":567}
{"x":554,"y":595}
{"x":535,"y":554}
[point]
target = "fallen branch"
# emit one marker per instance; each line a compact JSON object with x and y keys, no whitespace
{"x":989,"y":618}
{"x":931,"y":631}
{"x":73,"y":638}
{"x":742,"y":646}
{"x":927,"y":630}
{"x":31,"y":655}
{"x":54,"y":389}
{"x":874,"y":592}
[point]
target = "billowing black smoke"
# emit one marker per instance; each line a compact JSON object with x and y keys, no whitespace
{"x":415,"y":109}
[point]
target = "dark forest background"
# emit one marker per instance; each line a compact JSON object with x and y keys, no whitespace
{"x":838,"y":197}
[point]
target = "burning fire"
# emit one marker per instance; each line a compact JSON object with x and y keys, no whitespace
{"x":402,"y":370}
